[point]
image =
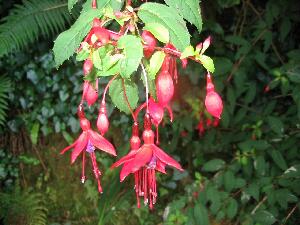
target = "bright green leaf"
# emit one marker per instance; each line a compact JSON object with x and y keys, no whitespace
{"x":188,"y":51}
{"x":156,"y":62}
{"x":68,"y":41}
{"x":116,"y":93}
{"x":207,"y":62}
{"x":133,"y":51}
{"x":159,"y":31}
{"x":189,"y":9}
{"x":170,"y":19}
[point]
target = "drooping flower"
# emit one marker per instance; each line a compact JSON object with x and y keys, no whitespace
{"x":213,"y":101}
{"x":88,"y":141}
{"x":143,"y":163}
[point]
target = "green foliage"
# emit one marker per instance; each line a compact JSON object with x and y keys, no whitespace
{"x":5,"y":86}
{"x":189,"y":9}
{"x":170,"y":19}
{"x":120,"y":90}
{"x":68,"y":41}
{"x":133,"y":53}
{"x":25,"y":207}
{"x":34,"y":18}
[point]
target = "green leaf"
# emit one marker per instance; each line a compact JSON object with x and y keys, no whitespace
{"x":156,"y":62}
{"x":275,"y":124}
{"x":201,"y":215}
{"x":159,"y":31}
{"x":71,"y":4}
{"x":34,"y":133}
{"x":232,"y":208}
{"x":264,"y":217}
{"x":229,"y":180}
{"x":207,"y":62}
{"x":188,"y":51}
{"x":116,"y":93}
{"x":189,"y":9}
{"x":133,"y":51}
{"x":82,"y":55}
{"x":278,"y":159}
{"x":253,"y":190}
{"x":67,"y":137}
{"x":170,"y":19}
{"x":68,"y":41}
{"x":214,"y":165}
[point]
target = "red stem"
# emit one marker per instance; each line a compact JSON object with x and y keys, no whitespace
{"x":106,"y":88}
{"x":126,"y":99}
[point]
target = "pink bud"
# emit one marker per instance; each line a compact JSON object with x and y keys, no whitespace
{"x":102,"y":121}
{"x":164,"y":88}
{"x":85,"y":124}
{"x":213,"y":101}
{"x":201,"y":128}
{"x":213,"y":104}
{"x":150,"y":42}
{"x":156,"y":112}
{"x":94,"y":4}
{"x":199,"y":47}
{"x":87,"y":66}
{"x":206,"y":44}
{"x":208,"y":122}
{"x":90,"y":93}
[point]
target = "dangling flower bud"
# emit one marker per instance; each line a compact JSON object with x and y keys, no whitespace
{"x":213,"y":101}
{"x":164,"y":88}
{"x":102,"y":121}
{"x":90,"y":93}
{"x":101,"y":35}
{"x":87,"y":66}
{"x":135,"y":141}
{"x":150,"y":41}
{"x":156,"y":112}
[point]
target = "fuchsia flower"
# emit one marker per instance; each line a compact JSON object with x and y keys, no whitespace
{"x":87,"y":141}
{"x":143,"y":162}
{"x":102,"y":121}
{"x":213,"y":101}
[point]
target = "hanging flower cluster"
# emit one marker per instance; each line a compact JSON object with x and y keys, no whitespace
{"x":118,"y":54}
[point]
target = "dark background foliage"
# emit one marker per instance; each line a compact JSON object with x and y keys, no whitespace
{"x":246,"y":171}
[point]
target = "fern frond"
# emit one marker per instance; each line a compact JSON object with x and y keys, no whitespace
{"x":5,"y":86}
{"x":34,"y":18}
{"x":23,"y":208}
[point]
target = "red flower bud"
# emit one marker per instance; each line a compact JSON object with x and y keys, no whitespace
{"x":102,"y":121}
{"x":213,"y":101}
{"x":85,"y":124}
{"x":150,"y":41}
{"x":208,"y":122}
{"x":216,"y":122}
{"x":156,"y":112}
{"x":102,"y":34}
{"x":94,"y":4}
{"x":164,"y":88}
{"x":87,"y":66}
{"x":201,"y":128}
{"x":90,"y":93}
